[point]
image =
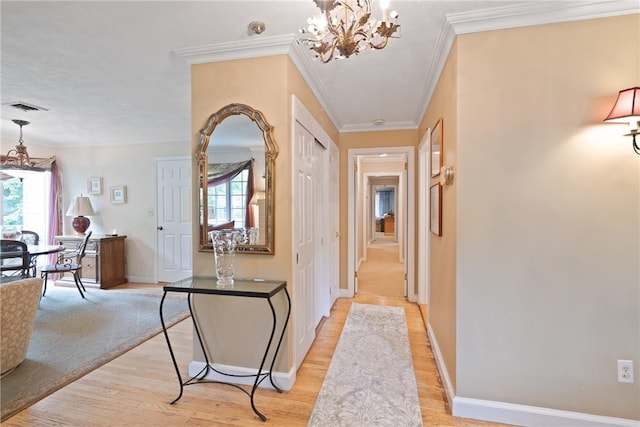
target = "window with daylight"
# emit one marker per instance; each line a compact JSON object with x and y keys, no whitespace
{"x":228,"y":201}
{"x":25,"y":204}
{"x":384,"y":201}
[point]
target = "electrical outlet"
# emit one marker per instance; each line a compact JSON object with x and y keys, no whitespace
{"x":625,"y":371}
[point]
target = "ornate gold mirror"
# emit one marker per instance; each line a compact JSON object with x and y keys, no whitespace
{"x":236,"y":158}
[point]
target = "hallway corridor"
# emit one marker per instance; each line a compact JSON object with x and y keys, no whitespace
{"x":382,"y":273}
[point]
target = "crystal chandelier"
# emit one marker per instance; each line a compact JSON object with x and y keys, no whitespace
{"x":346,"y":27}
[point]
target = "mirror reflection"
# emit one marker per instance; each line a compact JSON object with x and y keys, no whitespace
{"x":236,"y":161}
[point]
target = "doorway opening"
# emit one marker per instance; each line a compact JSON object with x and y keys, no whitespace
{"x":381,"y":222}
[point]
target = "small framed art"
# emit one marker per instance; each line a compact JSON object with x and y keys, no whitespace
{"x":436,"y":148}
{"x":435,"y":217}
{"x":94,"y":185}
{"x":119,"y":194}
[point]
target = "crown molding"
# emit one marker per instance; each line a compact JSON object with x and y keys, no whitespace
{"x":228,"y":51}
{"x":265,"y":46}
{"x":303,"y":61}
{"x":511,"y":17}
{"x":443,"y":47}
{"x":548,"y":12}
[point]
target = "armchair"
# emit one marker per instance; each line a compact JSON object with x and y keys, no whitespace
{"x":18,"y":308}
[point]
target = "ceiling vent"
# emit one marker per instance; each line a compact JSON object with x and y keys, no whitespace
{"x":26,"y":107}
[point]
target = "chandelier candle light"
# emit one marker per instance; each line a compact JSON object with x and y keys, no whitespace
{"x":346,"y":27}
{"x":80,"y":208}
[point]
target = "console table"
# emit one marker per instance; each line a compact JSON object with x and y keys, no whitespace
{"x":242,"y":288}
{"x":104,"y":262}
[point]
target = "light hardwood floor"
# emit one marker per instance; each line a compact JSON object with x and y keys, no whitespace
{"x":136,"y":388}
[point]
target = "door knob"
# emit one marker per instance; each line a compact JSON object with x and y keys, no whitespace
{"x":160,"y":228}
{"x":337,"y":234}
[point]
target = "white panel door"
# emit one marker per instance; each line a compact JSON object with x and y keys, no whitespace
{"x":334,"y":224}
{"x":173,"y":183}
{"x":304,"y":242}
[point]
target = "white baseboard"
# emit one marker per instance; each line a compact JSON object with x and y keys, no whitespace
{"x":284,"y":380}
{"x":515,"y":414}
{"x":523,"y":415}
{"x":449,"y":390}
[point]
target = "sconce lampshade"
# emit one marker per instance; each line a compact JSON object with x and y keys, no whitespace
{"x":627,"y":110}
{"x":627,"y":107}
{"x":80,"y":207}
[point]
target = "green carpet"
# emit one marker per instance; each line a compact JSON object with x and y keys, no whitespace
{"x":73,"y":336}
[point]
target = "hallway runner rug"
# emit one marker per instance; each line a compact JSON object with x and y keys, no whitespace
{"x":370,"y":381}
{"x":73,"y":336}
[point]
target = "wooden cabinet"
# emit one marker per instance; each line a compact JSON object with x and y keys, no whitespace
{"x":104,"y":262}
{"x":389,"y":226}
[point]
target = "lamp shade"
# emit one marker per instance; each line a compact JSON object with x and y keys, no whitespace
{"x":257,"y":196}
{"x":81,"y":206}
{"x":627,"y":107}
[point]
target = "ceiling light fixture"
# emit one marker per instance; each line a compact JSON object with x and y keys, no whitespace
{"x":256,"y":27}
{"x":346,"y":27}
{"x":18,"y":163}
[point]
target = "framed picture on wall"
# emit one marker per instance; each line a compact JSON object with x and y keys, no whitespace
{"x":435,"y":217}
{"x":94,"y":185}
{"x":119,"y":194}
{"x":436,"y":148}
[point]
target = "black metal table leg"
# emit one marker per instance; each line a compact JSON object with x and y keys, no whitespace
{"x":275,"y":354}
{"x":173,"y":357}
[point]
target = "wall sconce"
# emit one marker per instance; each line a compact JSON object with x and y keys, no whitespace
{"x":446,"y":175}
{"x":627,"y":110}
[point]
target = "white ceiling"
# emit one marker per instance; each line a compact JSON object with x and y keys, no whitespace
{"x":117,"y":72}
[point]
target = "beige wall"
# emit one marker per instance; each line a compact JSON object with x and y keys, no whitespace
{"x":442,"y":249}
{"x":548,"y":210}
{"x":261,"y":84}
{"x":265,"y":84}
{"x":130,"y":165}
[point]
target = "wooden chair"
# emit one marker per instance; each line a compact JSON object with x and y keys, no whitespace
{"x":14,"y":258}
{"x":63,"y":266}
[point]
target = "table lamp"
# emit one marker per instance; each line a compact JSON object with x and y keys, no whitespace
{"x":80,"y":207}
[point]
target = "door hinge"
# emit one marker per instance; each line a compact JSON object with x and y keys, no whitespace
{"x":406,"y":277}
{"x":355,"y":274}
{"x":406,"y":166}
{"x":297,"y":258}
{"x":355,"y":167}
